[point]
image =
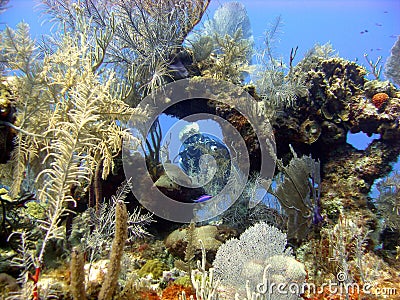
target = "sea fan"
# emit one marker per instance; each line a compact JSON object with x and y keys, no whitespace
{"x":388,"y":202}
{"x":240,"y":263}
{"x":298,"y":191}
{"x":392,"y":66}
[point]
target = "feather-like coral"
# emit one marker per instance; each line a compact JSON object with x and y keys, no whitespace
{"x":136,"y":39}
{"x":275,"y":87}
{"x":223,"y":48}
{"x":68,"y":122}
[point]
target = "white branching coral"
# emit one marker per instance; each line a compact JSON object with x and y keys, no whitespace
{"x":93,"y":231}
{"x":260,"y":251}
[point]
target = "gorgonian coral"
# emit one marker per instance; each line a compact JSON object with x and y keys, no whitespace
{"x":388,"y":202}
{"x":392,"y":70}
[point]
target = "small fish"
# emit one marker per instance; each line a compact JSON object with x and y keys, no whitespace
{"x":378,"y":24}
{"x":202,"y":198}
{"x":385,"y":12}
{"x":393,"y":36}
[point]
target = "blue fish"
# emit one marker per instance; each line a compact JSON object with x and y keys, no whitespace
{"x":202,"y":198}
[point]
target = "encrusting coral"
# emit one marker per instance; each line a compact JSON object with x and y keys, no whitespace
{"x":154,"y":268}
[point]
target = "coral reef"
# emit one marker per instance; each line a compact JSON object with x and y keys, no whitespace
{"x":259,"y":251}
{"x":154,"y":268}
{"x":211,"y":236}
{"x":339,"y":101}
{"x":67,"y":110}
{"x":174,"y":291}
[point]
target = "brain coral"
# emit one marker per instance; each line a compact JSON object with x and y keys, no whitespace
{"x":379,"y":99}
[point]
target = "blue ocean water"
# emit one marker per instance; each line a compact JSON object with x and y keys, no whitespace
{"x":353,"y":27}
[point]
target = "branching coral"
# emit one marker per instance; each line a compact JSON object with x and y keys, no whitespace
{"x":204,"y":282}
{"x":276,"y":88}
{"x":259,"y":250}
{"x":143,"y":37}
{"x":93,"y":231}
{"x":54,"y":93}
{"x":231,"y":64}
{"x":224,"y":48}
{"x":119,"y":230}
{"x":66,"y":123}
